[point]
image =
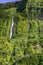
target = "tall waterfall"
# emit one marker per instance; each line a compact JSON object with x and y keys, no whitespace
{"x":11,"y":28}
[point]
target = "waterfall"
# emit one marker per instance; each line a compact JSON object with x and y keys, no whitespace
{"x":11,"y":28}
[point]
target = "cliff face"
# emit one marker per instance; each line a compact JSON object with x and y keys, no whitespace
{"x":25,"y":46}
{"x":23,"y":12}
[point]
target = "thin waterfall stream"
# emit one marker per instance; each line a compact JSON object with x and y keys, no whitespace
{"x":12,"y":24}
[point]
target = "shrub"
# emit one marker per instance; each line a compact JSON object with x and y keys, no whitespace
{"x":5,"y":52}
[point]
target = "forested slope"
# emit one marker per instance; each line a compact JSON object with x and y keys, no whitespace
{"x":25,"y":47}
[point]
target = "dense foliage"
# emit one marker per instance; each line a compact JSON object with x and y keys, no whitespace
{"x":26,"y":45}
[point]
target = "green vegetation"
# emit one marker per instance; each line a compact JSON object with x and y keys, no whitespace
{"x":26,"y":45}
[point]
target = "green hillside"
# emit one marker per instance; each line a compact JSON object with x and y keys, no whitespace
{"x":21,"y":33}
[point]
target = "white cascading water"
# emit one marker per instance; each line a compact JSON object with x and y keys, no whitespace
{"x":11,"y":28}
